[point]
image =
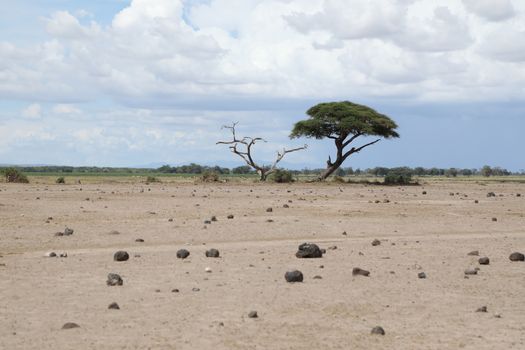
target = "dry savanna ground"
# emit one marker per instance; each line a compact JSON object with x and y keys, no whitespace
{"x":330,"y":309}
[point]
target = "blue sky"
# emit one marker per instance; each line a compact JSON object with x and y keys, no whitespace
{"x":126,"y":83}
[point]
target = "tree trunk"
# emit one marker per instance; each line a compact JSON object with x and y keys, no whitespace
{"x":328,"y":171}
{"x":263,"y":175}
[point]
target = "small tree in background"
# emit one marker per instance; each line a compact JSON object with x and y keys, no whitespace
{"x":343,"y":122}
{"x":243,"y":148}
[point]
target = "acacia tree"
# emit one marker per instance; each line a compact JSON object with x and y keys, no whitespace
{"x":343,"y":122}
{"x":243,"y":148}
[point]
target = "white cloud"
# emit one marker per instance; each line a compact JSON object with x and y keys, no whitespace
{"x":65,"y":109}
{"x":33,"y":111}
{"x":492,"y":10}
{"x":157,"y":54}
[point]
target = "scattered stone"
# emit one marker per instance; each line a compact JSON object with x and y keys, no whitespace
{"x":170,"y":220}
{"x":286,"y":206}
{"x":63,"y":255}
{"x":207,"y":222}
{"x":213,"y":218}
{"x":484,"y":261}
{"x":356,"y":271}
{"x":309,"y":250}
{"x":195,"y":289}
{"x":175,"y":290}
{"x":70,"y":325}
{"x":68,"y":231}
{"x":293,"y":276}
{"x":518,"y":194}
{"x":344,"y":233}
{"x":376,"y":242}
{"x":317,"y":277}
{"x":494,"y":219}
{"x":139,"y":240}
{"x":50,"y":254}
{"x":378,"y":330}
{"x":517,"y":257}
{"x":121,"y":256}
{"x":334,"y":247}
{"x":269,"y":210}
{"x":471,"y":272}
{"x":212,"y":253}
{"x":114,"y":306}
{"x":474,"y":253}
{"x":491,"y":194}
{"x":424,"y":192}
{"x":253,"y":314}
{"x":476,"y":201}
{"x":114,"y":232}
{"x":183,"y":254}
{"x":207,"y":269}
{"x":482,"y":309}
{"x":114,"y":280}
{"x":230,"y":216}
{"x":422,"y":275}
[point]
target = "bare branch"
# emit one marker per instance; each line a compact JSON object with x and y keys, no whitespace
{"x":356,"y":150}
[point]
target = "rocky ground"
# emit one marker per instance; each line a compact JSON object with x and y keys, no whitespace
{"x":414,"y":242}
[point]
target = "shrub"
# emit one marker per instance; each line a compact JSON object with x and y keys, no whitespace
{"x":209,"y":176}
{"x":14,"y":175}
{"x":398,"y":179}
{"x":152,"y":179}
{"x":61,"y":180}
{"x":281,"y":176}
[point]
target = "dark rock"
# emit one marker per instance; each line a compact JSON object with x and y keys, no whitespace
{"x":474,"y":253}
{"x":471,"y":272}
{"x":207,"y":222}
{"x":476,"y":201}
{"x":114,"y":232}
{"x":213,"y":218}
{"x":121,"y":256}
{"x":114,"y":306}
{"x":424,"y":192}
{"x":269,"y":210}
{"x":491,"y":194}
{"x":175,"y":290}
{"x":195,"y":289}
{"x":356,"y":271}
{"x":517,"y":257}
{"x":170,"y":220}
{"x":139,"y":240}
{"x":114,"y":280}
{"x":68,"y":231}
{"x":334,"y":247}
{"x":494,"y":219}
{"x":183,"y":254}
{"x":376,"y":242}
{"x":212,"y":253}
{"x":422,"y":275}
{"x":286,"y":206}
{"x":230,"y":216}
{"x":317,"y":277}
{"x":293,"y":276}
{"x":378,"y":330}
{"x":482,"y":309}
{"x":309,"y":250}
{"x":518,"y":194}
{"x":70,"y":325}
{"x":484,"y":261}
{"x":253,"y":314}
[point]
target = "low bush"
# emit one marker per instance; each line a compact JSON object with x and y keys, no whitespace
{"x":61,"y":180}
{"x":152,"y":179}
{"x":210,"y":176}
{"x":14,"y":175}
{"x":398,"y":179}
{"x":281,"y":176}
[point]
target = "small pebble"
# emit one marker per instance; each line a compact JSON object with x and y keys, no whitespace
{"x":484,"y":261}
{"x":114,"y":306}
{"x":378,"y":330}
{"x":253,"y":314}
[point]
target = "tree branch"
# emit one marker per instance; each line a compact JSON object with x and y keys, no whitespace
{"x":356,"y":150}
{"x":350,"y":140}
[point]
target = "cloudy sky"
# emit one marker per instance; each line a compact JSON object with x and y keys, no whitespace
{"x":126,"y":83}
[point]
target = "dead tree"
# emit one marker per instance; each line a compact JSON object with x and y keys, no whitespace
{"x":243,"y":148}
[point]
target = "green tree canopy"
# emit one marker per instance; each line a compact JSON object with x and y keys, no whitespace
{"x":344,"y":122}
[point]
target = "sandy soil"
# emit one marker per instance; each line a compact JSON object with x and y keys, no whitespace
{"x":431,"y":233}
